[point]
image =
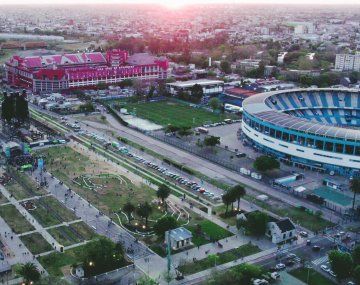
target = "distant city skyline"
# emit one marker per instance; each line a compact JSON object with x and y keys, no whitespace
{"x":179,"y":3}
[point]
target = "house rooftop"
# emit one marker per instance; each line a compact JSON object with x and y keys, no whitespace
{"x":180,"y":234}
{"x":285,"y":225}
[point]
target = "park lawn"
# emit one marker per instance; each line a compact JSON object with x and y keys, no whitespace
{"x":315,"y":278}
{"x":83,"y":230}
{"x":15,"y":220}
{"x":211,"y":230}
{"x":67,"y":164}
{"x":59,"y":209}
{"x":29,"y":186}
{"x":224,"y":257}
{"x":55,"y":262}
{"x":44,"y":216}
{"x":64,"y":235}
{"x":36,"y":243}
{"x":174,"y":113}
{"x":17,"y":190}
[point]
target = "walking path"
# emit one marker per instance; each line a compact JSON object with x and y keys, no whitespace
{"x":39,"y":228}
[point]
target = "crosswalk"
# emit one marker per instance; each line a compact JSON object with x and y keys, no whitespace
{"x":320,"y":260}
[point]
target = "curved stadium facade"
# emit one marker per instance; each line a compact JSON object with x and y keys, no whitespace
{"x":309,"y":128}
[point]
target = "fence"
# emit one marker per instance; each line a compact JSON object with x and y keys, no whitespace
{"x":195,"y":150}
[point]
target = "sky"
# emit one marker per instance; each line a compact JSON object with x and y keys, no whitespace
{"x":177,"y":3}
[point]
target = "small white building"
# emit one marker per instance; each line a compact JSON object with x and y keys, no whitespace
{"x":281,"y":231}
{"x":209,"y":86}
{"x":179,"y":238}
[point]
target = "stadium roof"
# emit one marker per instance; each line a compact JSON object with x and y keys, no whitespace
{"x":256,"y":106}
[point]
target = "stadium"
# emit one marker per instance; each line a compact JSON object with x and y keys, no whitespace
{"x":316,"y":129}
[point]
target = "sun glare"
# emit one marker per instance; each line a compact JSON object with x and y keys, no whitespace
{"x":173,"y":4}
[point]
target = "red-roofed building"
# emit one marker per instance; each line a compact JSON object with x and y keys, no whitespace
{"x":66,"y":71}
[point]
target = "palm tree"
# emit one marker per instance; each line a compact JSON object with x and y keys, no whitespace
{"x":239,"y":192}
{"x":29,"y":272}
{"x":226,"y":200}
{"x":163,"y":192}
{"x":355,"y":188}
{"x":144,"y":210}
{"x":129,"y":209}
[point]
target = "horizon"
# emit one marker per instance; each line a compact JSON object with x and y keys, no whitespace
{"x":180,"y":3}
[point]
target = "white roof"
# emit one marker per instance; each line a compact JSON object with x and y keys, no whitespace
{"x":190,"y":83}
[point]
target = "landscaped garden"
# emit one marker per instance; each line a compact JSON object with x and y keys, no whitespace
{"x":220,"y":258}
{"x":36,"y":243}
{"x":72,"y":234}
{"x":14,"y":219}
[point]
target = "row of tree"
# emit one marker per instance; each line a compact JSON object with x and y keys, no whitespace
{"x":14,"y":108}
{"x":346,"y":265}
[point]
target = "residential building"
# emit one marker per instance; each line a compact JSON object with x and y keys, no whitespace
{"x":347,"y":62}
{"x":178,"y":238}
{"x":281,"y":231}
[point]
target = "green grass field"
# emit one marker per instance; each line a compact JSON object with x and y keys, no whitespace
{"x":36,"y":243}
{"x":315,"y":278}
{"x":211,"y":230}
{"x":15,"y":220}
{"x":72,"y":234}
{"x":224,"y":257}
{"x":176,"y":114}
{"x":55,"y":262}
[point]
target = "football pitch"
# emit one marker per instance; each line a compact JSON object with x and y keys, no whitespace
{"x":174,"y":113}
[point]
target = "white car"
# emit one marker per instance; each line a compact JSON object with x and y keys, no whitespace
{"x":325,"y":268}
{"x":332,"y":273}
{"x":280,"y":266}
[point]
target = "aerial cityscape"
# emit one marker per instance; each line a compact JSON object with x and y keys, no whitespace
{"x":180,"y":142}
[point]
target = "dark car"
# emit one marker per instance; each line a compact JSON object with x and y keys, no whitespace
{"x":289,"y":262}
{"x":316,"y":248}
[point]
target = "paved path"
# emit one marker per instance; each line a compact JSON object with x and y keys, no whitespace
{"x":16,"y":251}
{"x":38,"y":227}
{"x":99,"y":222}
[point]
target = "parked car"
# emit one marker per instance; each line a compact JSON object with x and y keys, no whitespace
{"x":280,"y":266}
{"x":303,"y":234}
{"x":325,"y":268}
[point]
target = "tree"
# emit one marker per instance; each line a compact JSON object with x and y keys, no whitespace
{"x":356,"y":274}
{"x":8,"y":107}
{"x":29,"y":272}
{"x":213,"y":258}
{"x":171,"y":128}
{"x":225,"y":67}
{"x":164,"y":224}
{"x":341,"y":263}
{"x":197,"y":93}
{"x":129,"y":208}
{"x":239,"y":192}
{"x":356,"y":255}
{"x":163,"y":193}
{"x":355,"y":188}
{"x":101,"y":255}
{"x":144,"y":211}
{"x":256,"y":223}
{"x":228,"y":199}
{"x":215,"y":103}
{"x":21,"y":108}
{"x":146,"y":280}
{"x":211,"y":141}
{"x":265,"y":163}
{"x":185,"y":131}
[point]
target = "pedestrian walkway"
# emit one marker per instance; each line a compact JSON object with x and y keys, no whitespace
{"x":39,"y":228}
{"x":320,"y":260}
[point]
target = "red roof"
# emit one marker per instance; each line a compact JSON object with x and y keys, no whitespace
{"x":240,"y":92}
